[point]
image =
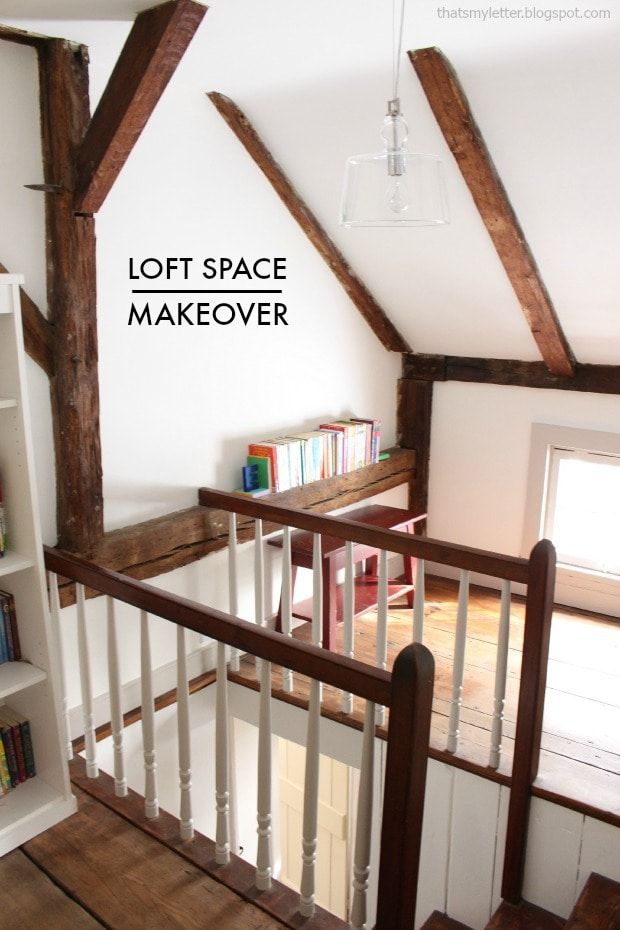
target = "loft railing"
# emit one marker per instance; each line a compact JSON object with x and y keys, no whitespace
{"x":407,"y":692}
{"x":537,"y":574}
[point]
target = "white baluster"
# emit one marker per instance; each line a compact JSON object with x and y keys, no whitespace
{"x":286,"y":602}
{"x":349,"y":618}
{"x":259,"y":582}
{"x":55,"y":616}
{"x":186,"y":823}
{"x":311,"y":804}
{"x":222,"y":762}
{"x":501,"y":670}
{"x":151,"y":804}
{"x":460,"y":641}
{"x":382,"y":616}
{"x":264,"y":852}
{"x":317,"y":591}
{"x":233,"y":590}
{"x":363,"y":828}
{"x":90,"y":751}
{"x":116,"y":710}
{"x":418,"y":602}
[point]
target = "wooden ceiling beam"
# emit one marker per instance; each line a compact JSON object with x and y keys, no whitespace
{"x":21,"y":37}
{"x":38,"y":332}
{"x":374,"y":315}
{"x":154,"y":48}
{"x":593,"y":379}
{"x":456,"y":121}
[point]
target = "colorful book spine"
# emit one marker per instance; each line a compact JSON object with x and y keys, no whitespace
{"x":5,"y":777}
{"x":10,"y":650}
{"x":267,"y":451}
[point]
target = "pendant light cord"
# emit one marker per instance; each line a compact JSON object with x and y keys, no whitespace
{"x":398,"y":19}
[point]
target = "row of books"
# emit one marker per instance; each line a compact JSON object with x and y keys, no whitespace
{"x":10,"y":650}
{"x":290,"y":461}
{"x":16,"y":755}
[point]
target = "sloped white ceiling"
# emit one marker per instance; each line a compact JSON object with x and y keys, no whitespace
{"x":313,"y":77}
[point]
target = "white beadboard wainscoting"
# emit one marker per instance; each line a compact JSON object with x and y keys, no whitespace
{"x":465,"y":815}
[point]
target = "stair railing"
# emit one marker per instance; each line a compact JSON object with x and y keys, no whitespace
{"x":254,"y":518}
{"x":406,"y":691}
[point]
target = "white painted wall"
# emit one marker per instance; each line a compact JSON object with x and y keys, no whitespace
{"x":480,"y":450}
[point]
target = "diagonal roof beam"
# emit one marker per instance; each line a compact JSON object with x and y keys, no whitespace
{"x":451,"y":109}
{"x":374,"y":315}
{"x":154,"y":48}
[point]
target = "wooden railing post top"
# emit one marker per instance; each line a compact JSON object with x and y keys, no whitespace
{"x":415,"y":665}
{"x":543,"y":552}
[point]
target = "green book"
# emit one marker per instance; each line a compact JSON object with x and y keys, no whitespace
{"x":263,"y":470}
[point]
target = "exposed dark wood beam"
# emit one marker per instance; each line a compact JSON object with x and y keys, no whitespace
{"x":413,"y":423}
{"x":21,"y":37}
{"x":38,"y":332}
{"x":154,"y":547}
{"x":374,"y":315}
{"x":594,"y":379}
{"x":72,"y":298}
{"x":454,"y":116}
{"x":154,"y":48}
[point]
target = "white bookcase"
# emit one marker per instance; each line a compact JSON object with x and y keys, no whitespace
{"x":30,"y":686}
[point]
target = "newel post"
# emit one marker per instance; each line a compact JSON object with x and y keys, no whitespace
{"x":405,"y":782}
{"x":537,"y":633}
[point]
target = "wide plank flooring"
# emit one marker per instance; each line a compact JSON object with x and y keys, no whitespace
{"x":580,"y":756}
{"x":31,"y":900}
{"x":130,"y":880}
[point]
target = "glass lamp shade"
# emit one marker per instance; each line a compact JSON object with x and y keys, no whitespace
{"x":374,"y":196}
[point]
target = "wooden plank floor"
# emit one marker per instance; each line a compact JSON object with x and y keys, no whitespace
{"x":126,"y":878}
{"x":581,"y":740}
{"x":30,"y":899}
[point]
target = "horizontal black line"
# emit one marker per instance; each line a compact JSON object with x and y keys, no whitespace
{"x":196,"y":291}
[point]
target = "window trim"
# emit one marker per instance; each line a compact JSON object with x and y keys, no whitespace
{"x":584,"y":588}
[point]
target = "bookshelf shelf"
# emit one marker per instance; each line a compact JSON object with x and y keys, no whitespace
{"x":29,"y":687}
{"x":14,"y":562}
{"x":15,"y":676}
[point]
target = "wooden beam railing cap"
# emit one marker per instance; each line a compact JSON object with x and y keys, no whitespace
{"x":433,"y":550}
{"x":319,"y":664}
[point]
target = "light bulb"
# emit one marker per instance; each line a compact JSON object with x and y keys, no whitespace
{"x":397,"y":195}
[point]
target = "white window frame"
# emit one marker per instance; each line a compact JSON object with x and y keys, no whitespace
{"x":585,"y":588}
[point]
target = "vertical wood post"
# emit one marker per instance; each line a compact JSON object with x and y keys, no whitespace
{"x":501,"y":674}
{"x":55,"y":618}
{"x":458,"y":664}
{"x":186,"y":821}
{"x":88,"y":715}
{"x":72,"y":298}
{"x":415,"y":401}
{"x":151,"y":803}
{"x":405,"y":783}
{"x":116,"y":710}
{"x":537,"y":632}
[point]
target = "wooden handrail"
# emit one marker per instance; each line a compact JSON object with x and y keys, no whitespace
{"x":407,"y":691}
{"x":536,"y":636}
{"x":319,"y":664}
{"x":433,"y":550}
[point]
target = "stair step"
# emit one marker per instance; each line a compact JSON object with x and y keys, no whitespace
{"x":598,"y":907}
{"x":523,"y":916}
{"x":439,"y":921}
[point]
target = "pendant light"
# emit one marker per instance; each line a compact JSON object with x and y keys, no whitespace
{"x":394,"y":187}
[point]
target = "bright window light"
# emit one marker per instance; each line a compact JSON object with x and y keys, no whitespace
{"x":582,"y":512}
